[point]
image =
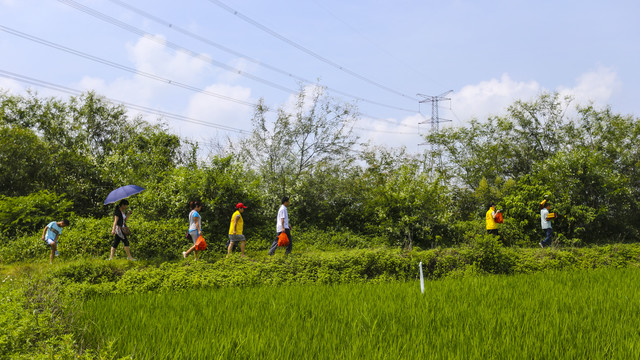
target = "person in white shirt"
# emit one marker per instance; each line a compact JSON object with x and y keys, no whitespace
{"x":546,"y":225}
{"x":282,"y":225}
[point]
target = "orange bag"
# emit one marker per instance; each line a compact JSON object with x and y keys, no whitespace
{"x":200,"y":243}
{"x":499,"y":218}
{"x":283,"y":239}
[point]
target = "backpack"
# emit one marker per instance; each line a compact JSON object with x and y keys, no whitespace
{"x":499,"y":218}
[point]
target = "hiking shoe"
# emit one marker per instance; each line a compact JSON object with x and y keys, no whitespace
{"x":542,"y":246}
{"x":184,"y":254}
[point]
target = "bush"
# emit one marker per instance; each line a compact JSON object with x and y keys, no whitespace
{"x":31,"y":213}
{"x":333,"y":239}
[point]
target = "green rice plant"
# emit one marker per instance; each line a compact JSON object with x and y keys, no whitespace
{"x":589,"y":314}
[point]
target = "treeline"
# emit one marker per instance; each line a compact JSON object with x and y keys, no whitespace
{"x":60,"y":158}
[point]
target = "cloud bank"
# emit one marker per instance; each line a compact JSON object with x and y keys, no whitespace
{"x":489,"y":98}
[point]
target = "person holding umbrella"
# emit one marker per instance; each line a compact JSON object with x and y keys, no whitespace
{"x":120,"y":215}
{"x":195,"y":226}
{"x":120,"y":229}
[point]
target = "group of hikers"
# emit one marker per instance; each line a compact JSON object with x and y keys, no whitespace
{"x":120,"y":231}
{"x":494,"y":217}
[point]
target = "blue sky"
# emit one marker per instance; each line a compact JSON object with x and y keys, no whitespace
{"x":489,"y":53}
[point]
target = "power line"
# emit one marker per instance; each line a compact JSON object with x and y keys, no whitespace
{"x":384,"y":131}
{"x":137,"y":31}
{"x":56,"y":87}
{"x":368,"y":39}
{"x":171,"y":45}
{"x":248,"y":58}
{"x":305,"y":50}
{"x":121,"y":67}
{"x":390,"y":121}
{"x":149,"y":110}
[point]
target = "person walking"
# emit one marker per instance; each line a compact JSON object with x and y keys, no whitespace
{"x":545,"y":222}
{"x":492,"y":225}
{"x":50,"y":235}
{"x":282,"y":225}
{"x":119,"y":230}
{"x":235,"y":230}
{"x":195,"y":226}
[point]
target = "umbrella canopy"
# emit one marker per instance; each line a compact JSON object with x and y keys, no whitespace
{"x":122,"y":192}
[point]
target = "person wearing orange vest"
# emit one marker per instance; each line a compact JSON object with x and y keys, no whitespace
{"x":492,"y":226}
{"x":235,"y":229}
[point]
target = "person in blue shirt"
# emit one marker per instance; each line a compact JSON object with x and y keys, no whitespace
{"x":195,"y":226}
{"x":50,"y":235}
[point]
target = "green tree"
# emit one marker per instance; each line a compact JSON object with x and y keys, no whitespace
{"x":317,"y":130}
{"x":25,"y":161}
{"x":402,"y":202}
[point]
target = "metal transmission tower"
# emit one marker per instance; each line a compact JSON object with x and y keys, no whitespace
{"x":435,"y":121}
{"x":434,"y":100}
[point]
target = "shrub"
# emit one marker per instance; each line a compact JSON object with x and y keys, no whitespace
{"x":31,"y":213}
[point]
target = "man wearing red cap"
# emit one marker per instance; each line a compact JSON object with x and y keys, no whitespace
{"x":235,"y":229}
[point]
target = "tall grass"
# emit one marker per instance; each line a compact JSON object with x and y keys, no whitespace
{"x":552,"y":315}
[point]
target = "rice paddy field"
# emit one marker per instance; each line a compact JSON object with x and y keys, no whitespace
{"x":552,"y":315}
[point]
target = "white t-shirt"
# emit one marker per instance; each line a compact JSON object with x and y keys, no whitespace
{"x":194,"y":218}
{"x":543,"y":219}
{"x":282,"y":214}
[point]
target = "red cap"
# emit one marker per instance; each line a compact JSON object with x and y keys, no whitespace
{"x":240,"y":206}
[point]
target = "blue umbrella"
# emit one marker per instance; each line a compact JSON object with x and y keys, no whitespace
{"x":121,"y":193}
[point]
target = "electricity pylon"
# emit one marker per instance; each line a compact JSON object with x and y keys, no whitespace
{"x":435,"y":121}
{"x":435,"y":100}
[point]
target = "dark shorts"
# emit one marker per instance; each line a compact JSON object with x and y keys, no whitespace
{"x":117,"y":239}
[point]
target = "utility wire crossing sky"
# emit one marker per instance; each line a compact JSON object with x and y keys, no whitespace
{"x":202,"y":65}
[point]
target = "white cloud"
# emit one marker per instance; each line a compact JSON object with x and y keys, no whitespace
{"x":391,"y":132}
{"x":492,"y":97}
{"x":595,"y":87}
{"x":217,"y":111}
{"x":487,"y":98}
{"x":150,"y":56}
